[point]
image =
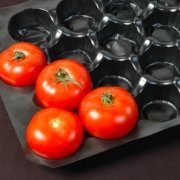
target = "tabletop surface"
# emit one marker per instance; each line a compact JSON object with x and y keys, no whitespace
{"x":153,"y":158}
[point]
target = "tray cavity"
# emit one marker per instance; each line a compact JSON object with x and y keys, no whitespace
{"x":79,"y":16}
{"x":120,"y":40}
{"x":159,"y":102}
{"x":82,"y":49}
{"x":32,"y":25}
{"x":163,"y":26}
{"x":161,"y":64}
{"x":121,"y":73}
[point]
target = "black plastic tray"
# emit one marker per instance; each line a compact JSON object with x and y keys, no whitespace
{"x":134,"y":44}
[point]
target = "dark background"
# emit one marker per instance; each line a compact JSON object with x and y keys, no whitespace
{"x":153,"y":158}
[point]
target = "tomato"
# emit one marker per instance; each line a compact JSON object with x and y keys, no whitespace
{"x":54,"y":133}
{"x":63,"y":84}
{"x":108,"y":112}
{"x":21,"y":63}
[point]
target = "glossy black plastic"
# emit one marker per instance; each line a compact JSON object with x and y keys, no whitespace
{"x":133,"y":44}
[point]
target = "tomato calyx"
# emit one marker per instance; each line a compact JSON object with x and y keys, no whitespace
{"x":107,"y":99}
{"x":18,"y":55}
{"x":63,"y":77}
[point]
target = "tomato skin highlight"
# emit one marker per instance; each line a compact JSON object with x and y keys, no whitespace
{"x":21,"y":71}
{"x":108,"y":121}
{"x":66,"y":95}
{"x":54,"y":133}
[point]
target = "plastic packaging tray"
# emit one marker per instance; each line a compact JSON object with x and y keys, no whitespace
{"x":134,"y":44}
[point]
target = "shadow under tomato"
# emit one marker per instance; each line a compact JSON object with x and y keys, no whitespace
{"x":36,"y":102}
{"x":123,"y":154}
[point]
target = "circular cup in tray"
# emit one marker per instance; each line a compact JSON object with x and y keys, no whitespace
{"x":171,"y":5}
{"x":116,"y":73}
{"x":33,"y":25}
{"x":161,"y":64}
{"x":120,"y":41}
{"x":163,"y":27}
{"x":77,"y":17}
{"x":83,"y":49}
{"x":159,"y":102}
{"x":127,"y":11}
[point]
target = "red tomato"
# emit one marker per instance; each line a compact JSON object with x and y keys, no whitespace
{"x":53,"y":133}
{"x":108,"y":112}
{"x":21,"y":63}
{"x":63,"y":84}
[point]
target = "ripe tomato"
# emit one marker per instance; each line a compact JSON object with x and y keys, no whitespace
{"x":63,"y":84}
{"x":53,"y":133}
{"x":108,"y":112}
{"x":21,"y":63}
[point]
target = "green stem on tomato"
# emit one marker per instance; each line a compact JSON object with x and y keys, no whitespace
{"x":107,"y":99}
{"x":18,"y":55}
{"x":63,"y":77}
